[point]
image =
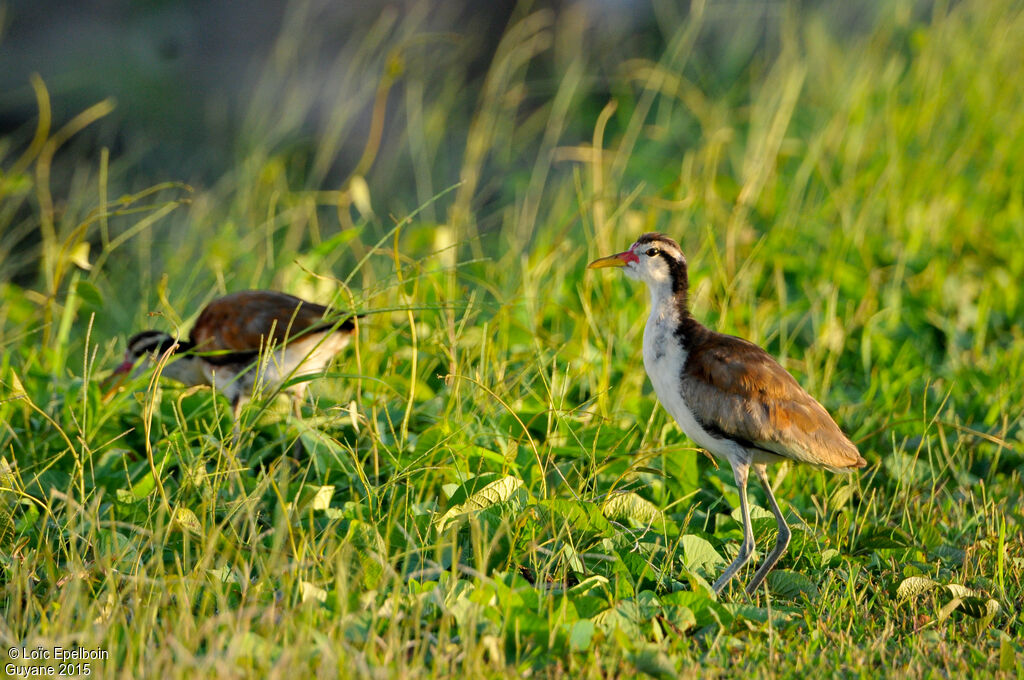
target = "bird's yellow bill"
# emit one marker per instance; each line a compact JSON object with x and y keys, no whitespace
{"x":617,"y":260}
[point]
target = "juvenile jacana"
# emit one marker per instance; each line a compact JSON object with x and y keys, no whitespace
{"x":285,"y":335}
{"x":727,"y":394}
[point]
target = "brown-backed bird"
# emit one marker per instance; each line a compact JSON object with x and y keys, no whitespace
{"x":247,"y":337}
{"x":727,"y":394}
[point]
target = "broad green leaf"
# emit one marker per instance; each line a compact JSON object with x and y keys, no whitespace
{"x":584,"y":520}
{"x":184,"y":519}
{"x":471,"y":452}
{"x":980,"y":607}
{"x":698,"y":553}
{"x":828,"y":557}
{"x":957,"y":590}
{"x":881,"y":538}
{"x":580,"y":635}
{"x":498,"y":491}
{"x":682,"y":468}
{"x":223,"y":574}
{"x":949,"y":553}
{"x":326,"y":452}
{"x":636,"y":565}
{"x":970,"y":601}
{"x":119,"y":547}
{"x":625,"y":616}
{"x":315,"y":498}
{"x":791,"y":585}
{"x":777,"y":615}
{"x":1007,"y":655}
{"x":678,"y":619}
{"x":928,"y":535}
{"x":654,"y":662}
{"x":365,"y":537}
{"x":842,"y":495}
{"x":756,"y":513}
{"x":458,"y":493}
{"x":630,"y":506}
{"x":8,"y":479}
{"x":138,"y":491}
{"x":914,"y":586}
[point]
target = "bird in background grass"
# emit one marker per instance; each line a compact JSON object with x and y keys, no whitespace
{"x":727,"y":394}
{"x":244,"y":338}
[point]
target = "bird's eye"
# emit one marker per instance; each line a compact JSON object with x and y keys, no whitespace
{"x":651,"y":252}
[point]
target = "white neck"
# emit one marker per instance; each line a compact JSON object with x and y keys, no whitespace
{"x":663,"y":307}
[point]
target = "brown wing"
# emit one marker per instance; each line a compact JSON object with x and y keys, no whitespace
{"x":738,"y":389}
{"x":245,"y":321}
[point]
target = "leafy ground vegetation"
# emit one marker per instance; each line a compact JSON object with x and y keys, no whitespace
{"x":484,"y":484}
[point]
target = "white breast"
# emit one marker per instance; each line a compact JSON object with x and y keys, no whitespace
{"x":664,"y":358}
{"x":304,"y":356}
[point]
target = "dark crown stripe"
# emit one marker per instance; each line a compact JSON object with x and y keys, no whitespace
{"x":179,"y":347}
{"x":156,"y":341}
{"x":652,"y":236}
{"x":148,"y":341}
{"x":146,"y":338}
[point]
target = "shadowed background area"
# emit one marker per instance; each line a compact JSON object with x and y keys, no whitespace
{"x":185,"y":75}
{"x":336,"y":89}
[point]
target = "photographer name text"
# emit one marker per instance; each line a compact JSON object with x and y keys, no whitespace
{"x":31,"y":662}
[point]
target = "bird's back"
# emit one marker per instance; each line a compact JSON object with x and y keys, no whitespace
{"x":232,"y":331}
{"x":741,"y":392}
{"x":248,"y":321}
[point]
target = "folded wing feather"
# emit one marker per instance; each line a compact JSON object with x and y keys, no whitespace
{"x":740,"y":390}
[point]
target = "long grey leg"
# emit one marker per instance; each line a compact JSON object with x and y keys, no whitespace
{"x":740,"y":472}
{"x":784,"y":534}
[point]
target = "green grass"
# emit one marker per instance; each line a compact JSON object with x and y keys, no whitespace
{"x":484,"y":484}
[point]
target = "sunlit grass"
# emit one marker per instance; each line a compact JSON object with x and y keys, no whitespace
{"x":483,"y":483}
